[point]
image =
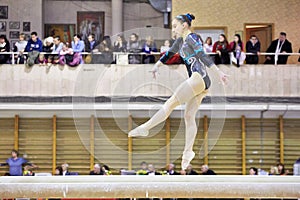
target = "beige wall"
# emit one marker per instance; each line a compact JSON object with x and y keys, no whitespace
{"x":235,"y":13}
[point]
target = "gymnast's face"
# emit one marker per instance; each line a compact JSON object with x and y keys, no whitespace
{"x":178,"y":28}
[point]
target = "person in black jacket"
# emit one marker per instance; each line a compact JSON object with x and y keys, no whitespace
{"x":4,"y":47}
{"x":206,"y":171}
{"x":280,"y":45}
{"x":252,"y":46}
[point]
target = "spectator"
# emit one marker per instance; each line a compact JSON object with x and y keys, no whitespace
{"x":281,"y":169}
{"x":97,"y":170}
{"x":4,"y":47}
{"x":57,"y":47}
{"x":66,"y":55}
{"x":273,"y":171}
{"x":190,"y":170}
{"x":221,"y":47}
{"x":237,"y":48}
{"x":253,"y":171}
{"x":91,"y":43}
{"x":15,"y":164}
{"x":28,"y":171}
{"x":19,"y":47}
{"x":143,"y":170}
{"x":105,"y":48}
{"x":58,"y":171}
{"x":252,"y":46}
{"x":106,"y":170}
{"x":280,"y":45}
{"x":171,"y":170}
{"x":149,"y":47}
{"x":47,"y":48}
{"x":208,"y":46}
{"x":206,"y":171}
{"x":34,"y":47}
{"x":120,"y":44}
{"x":65,"y":171}
{"x":165,"y":47}
{"x":299,"y":56}
{"x":134,"y":47}
{"x":78,"y":47}
{"x":151,"y":170}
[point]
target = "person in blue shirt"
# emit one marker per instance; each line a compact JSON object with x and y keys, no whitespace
{"x":78,"y":47}
{"x":16,"y":164}
{"x":191,"y":91}
{"x":34,"y":47}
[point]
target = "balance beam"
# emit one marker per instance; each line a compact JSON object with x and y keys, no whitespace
{"x":150,"y":187}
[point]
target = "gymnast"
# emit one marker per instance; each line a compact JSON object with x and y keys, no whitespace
{"x":191,"y":91}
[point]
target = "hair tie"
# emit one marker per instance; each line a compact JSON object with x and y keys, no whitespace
{"x":189,"y":17}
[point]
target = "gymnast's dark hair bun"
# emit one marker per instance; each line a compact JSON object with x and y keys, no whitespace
{"x":190,"y":16}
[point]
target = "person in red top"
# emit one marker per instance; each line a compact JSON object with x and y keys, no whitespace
{"x":222,"y":48}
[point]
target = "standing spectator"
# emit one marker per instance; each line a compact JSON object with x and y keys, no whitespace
{"x":134,"y":47}
{"x":16,"y":164}
{"x":221,"y":47}
{"x":253,"y":171}
{"x":57,"y":47}
{"x":78,"y":47}
{"x":206,"y":171}
{"x":190,"y":170}
{"x":237,"y":48}
{"x":280,"y":45}
{"x":34,"y":47}
{"x":105,"y":47}
{"x":171,"y":170}
{"x":97,"y":170}
{"x":149,"y":47}
{"x":120,"y":44}
{"x":91,"y":43}
{"x":208,"y":46}
{"x":4,"y":47}
{"x":20,"y":48}
{"x":143,"y":170}
{"x":252,"y":46}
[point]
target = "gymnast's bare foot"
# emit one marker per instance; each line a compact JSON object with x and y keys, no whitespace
{"x":187,"y":157}
{"x":138,"y":131}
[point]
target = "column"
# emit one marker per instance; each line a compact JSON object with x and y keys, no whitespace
{"x":117,"y":16}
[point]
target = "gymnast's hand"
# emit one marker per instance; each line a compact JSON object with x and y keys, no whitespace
{"x":154,"y":70}
{"x":222,"y":75}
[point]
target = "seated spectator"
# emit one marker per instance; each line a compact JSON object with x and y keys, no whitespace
{"x":143,"y":170}
{"x":237,"y":48}
{"x":67,"y":56}
{"x":281,"y":169}
{"x":221,"y":47}
{"x":273,"y":171}
{"x":190,"y":170}
{"x":106,"y":56}
{"x":151,"y":170}
{"x":252,"y":46}
{"x":58,"y":171}
{"x":78,"y":48}
{"x":253,"y":171}
{"x":280,"y":45}
{"x":47,"y":49}
{"x":120,"y":44}
{"x":91,"y":43}
{"x":208,"y":46}
{"x":106,"y":170}
{"x":65,"y":171}
{"x":4,"y":47}
{"x":171,"y":170}
{"x":57,"y":47}
{"x":34,"y":47}
{"x":134,"y":47}
{"x":97,"y":170}
{"x":28,"y":171}
{"x":149,"y":47}
{"x":19,"y":47}
{"x":165,"y":47}
{"x":206,"y":171}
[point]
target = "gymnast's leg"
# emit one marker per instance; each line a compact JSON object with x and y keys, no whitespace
{"x":190,"y":128}
{"x":187,"y":90}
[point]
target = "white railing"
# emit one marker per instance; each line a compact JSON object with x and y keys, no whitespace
{"x":117,"y":55}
